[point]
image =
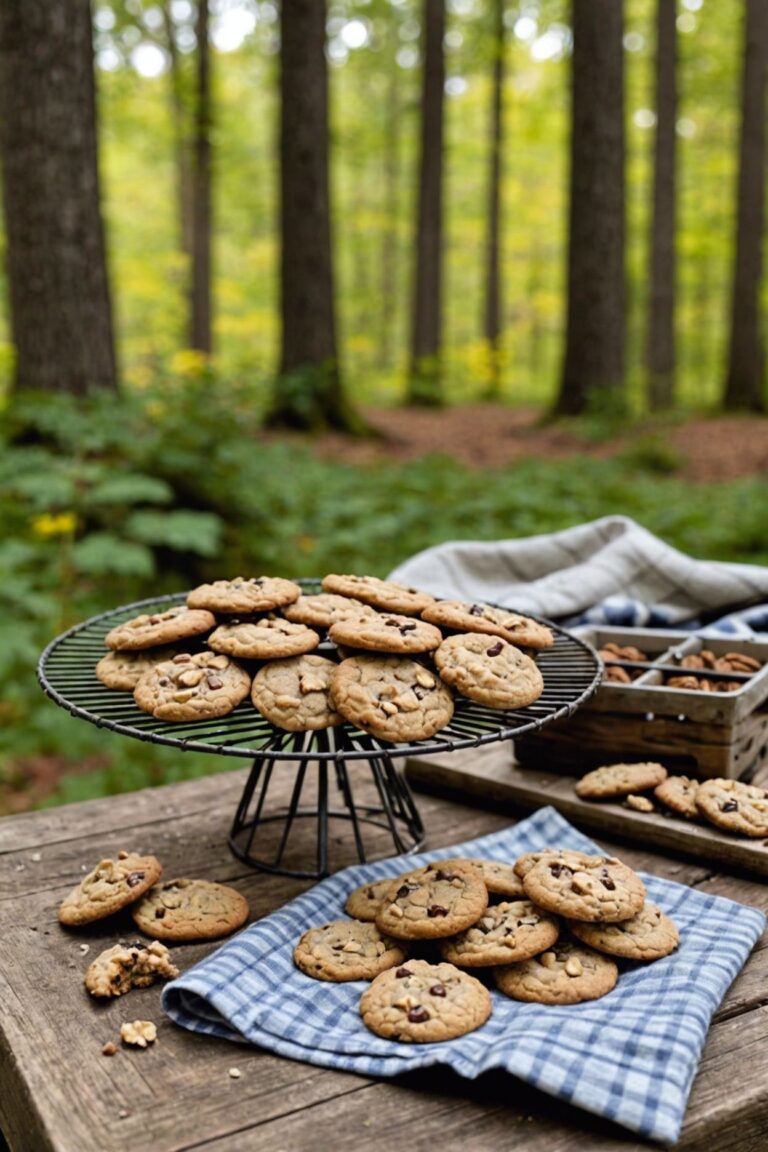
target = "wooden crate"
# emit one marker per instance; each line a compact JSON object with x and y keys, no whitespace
{"x":704,"y":734}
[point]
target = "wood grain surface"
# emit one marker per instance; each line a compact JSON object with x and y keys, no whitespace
{"x":58,"y":1092}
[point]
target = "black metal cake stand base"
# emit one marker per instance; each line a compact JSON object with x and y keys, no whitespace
{"x":253,"y":841}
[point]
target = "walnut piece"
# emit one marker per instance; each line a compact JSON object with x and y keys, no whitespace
{"x":139,"y":1033}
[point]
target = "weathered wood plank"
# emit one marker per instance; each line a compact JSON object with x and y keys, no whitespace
{"x":490,"y":776}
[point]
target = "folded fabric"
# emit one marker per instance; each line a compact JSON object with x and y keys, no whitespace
{"x":630,"y":1056}
{"x":610,"y":571}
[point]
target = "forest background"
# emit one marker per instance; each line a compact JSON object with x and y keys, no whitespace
{"x":102,"y":501}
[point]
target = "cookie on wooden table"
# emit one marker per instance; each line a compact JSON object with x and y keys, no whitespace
{"x":597,"y":889}
{"x":424,"y":1003}
{"x":392,"y":697}
{"x":734,"y":807}
{"x":489,"y":670}
{"x":265,"y":638}
{"x":112,"y":885}
{"x":565,"y":974}
{"x":433,"y":901}
{"x":295,"y":694}
{"x":386,"y":632}
{"x":461,"y":616}
{"x":324,"y":609}
{"x":199,"y":687}
{"x":125,"y":966}
{"x":123,"y":670}
{"x":190,"y":910}
{"x":506,"y":932}
{"x":346,"y":950}
{"x":152,"y":631}
{"x":241,"y":594}
{"x":365,"y":902}
{"x":678,"y":793}
{"x":387,"y":595}
{"x":648,"y":935}
{"x":614,"y":780}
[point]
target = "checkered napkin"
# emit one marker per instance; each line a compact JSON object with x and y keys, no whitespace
{"x":630,"y":1056}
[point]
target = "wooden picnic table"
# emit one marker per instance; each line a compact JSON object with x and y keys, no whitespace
{"x":57,"y":1090}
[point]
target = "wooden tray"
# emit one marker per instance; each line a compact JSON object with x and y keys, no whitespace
{"x":491,"y":778}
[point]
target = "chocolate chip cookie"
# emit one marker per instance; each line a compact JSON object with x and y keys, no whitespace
{"x":565,"y":974}
{"x":423,"y":1003}
{"x":387,"y":595}
{"x":151,"y":631}
{"x":619,"y":780}
{"x":197,"y":687}
{"x":500,"y":879}
{"x":123,"y":670}
{"x":391,"y":697}
{"x":266,"y":638}
{"x":489,"y":670}
{"x":386,"y":632}
{"x":295,"y":694}
{"x":733,"y":806}
{"x":254,"y":594}
{"x":346,"y":950}
{"x":600,"y":888}
{"x":648,"y":935}
{"x":432,"y":902}
{"x":324,"y":609}
{"x":569,"y":856}
{"x":125,"y":966}
{"x":461,"y":616}
{"x":505,"y":933}
{"x":112,"y":885}
{"x":678,"y":793}
{"x":190,"y":910}
{"x":365,"y":902}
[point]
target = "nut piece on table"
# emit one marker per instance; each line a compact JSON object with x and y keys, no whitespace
{"x":138,"y":1033}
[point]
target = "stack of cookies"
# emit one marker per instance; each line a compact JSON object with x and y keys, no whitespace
{"x":729,"y":805}
{"x":547,"y":929}
{"x":394,"y":656}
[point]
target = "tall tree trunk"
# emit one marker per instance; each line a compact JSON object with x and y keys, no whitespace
{"x":180,"y":134}
{"x":200,"y":310}
{"x":425,"y":372}
{"x":744,"y":386}
{"x":593,"y":368}
{"x":492,"y":324}
{"x":391,"y":179}
{"x":661,"y":319}
{"x":309,"y":394}
{"x":61,"y":315}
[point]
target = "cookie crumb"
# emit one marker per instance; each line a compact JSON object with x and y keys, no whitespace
{"x":35,"y":857}
{"x":235,"y":1073}
{"x":139,"y":1033}
{"x":639,"y":803}
{"x":85,"y":948}
{"x":123,"y":1113}
{"x":109,"y":1049}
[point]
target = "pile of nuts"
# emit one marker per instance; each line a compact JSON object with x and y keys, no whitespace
{"x":612,"y":653}
{"x":706,"y":660}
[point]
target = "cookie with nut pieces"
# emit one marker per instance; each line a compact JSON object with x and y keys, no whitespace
{"x":433,"y":901}
{"x":188,"y":910}
{"x":613,"y":780}
{"x":386,"y":595}
{"x":386,"y":632}
{"x":461,"y":616}
{"x":244,"y":594}
{"x":192,"y":687}
{"x":734,"y":806}
{"x":566,"y":973}
{"x":124,"y":966}
{"x":599,"y":888}
{"x":678,"y":793}
{"x":648,"y":935}
{"x":264,"y":638}
{"x":392,"y":697}
{"x":364,"y":903}
{"x":506,"y":932}
{"x":151,"y":630}
{"x":110,"y":886}
{"x":295,"y":694}
{"x":422,"y":1003}
{"x":489,"y":670}
{"x":347,"y":950}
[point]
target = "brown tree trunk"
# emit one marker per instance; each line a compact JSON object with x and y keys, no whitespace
{"x":200,"y":309}
{"x":492,"y":325}
{"x":593,"y":368}
{"x":180,"y":135}
{"x":61,"y":316}
{"x":744,"y":386}
{"x":425,"y":370}
{"x":308,"y":394}
{"x":391,"y":179}
{"x":661,"y":318}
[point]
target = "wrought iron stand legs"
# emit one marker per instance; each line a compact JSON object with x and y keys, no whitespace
{"x":396,"y":811}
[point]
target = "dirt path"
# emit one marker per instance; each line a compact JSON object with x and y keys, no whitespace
{"x":493,"y":436}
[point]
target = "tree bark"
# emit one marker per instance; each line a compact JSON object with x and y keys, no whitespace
{"x":391,"y":179}
{"x":593,"y":368}
{"x":425,"y":370}
{"x":744,"y":386}
{"x":61,"y":315}
{"x":308,"y":394}
{"x":492,"y":319}
{"x":180,"y":134}
{"x":200,"y":304}
{"x":660,"y":355}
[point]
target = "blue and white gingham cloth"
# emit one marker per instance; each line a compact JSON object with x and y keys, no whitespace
{"x":630,"y":1056}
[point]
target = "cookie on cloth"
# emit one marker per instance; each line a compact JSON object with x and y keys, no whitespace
{"x":569,"y":856}
{"x":433,"y":901}
{"x":506,"y":932}
{"x":190,"y":910}
{"x":499,"y":878}
{"x":424,"y":1003}
{"x":565,"y":974}
{"x":597,"y":889}
{"x":346,"y":950}
{"x":112,"y":885}
{"x":364,"y":903}
{"x":648,"y":935}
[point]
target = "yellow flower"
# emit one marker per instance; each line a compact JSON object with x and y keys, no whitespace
{"x":188,"y":362}
{"x":61,"y":524}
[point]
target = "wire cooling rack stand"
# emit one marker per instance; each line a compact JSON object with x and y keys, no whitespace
{"x":345,"y":755}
